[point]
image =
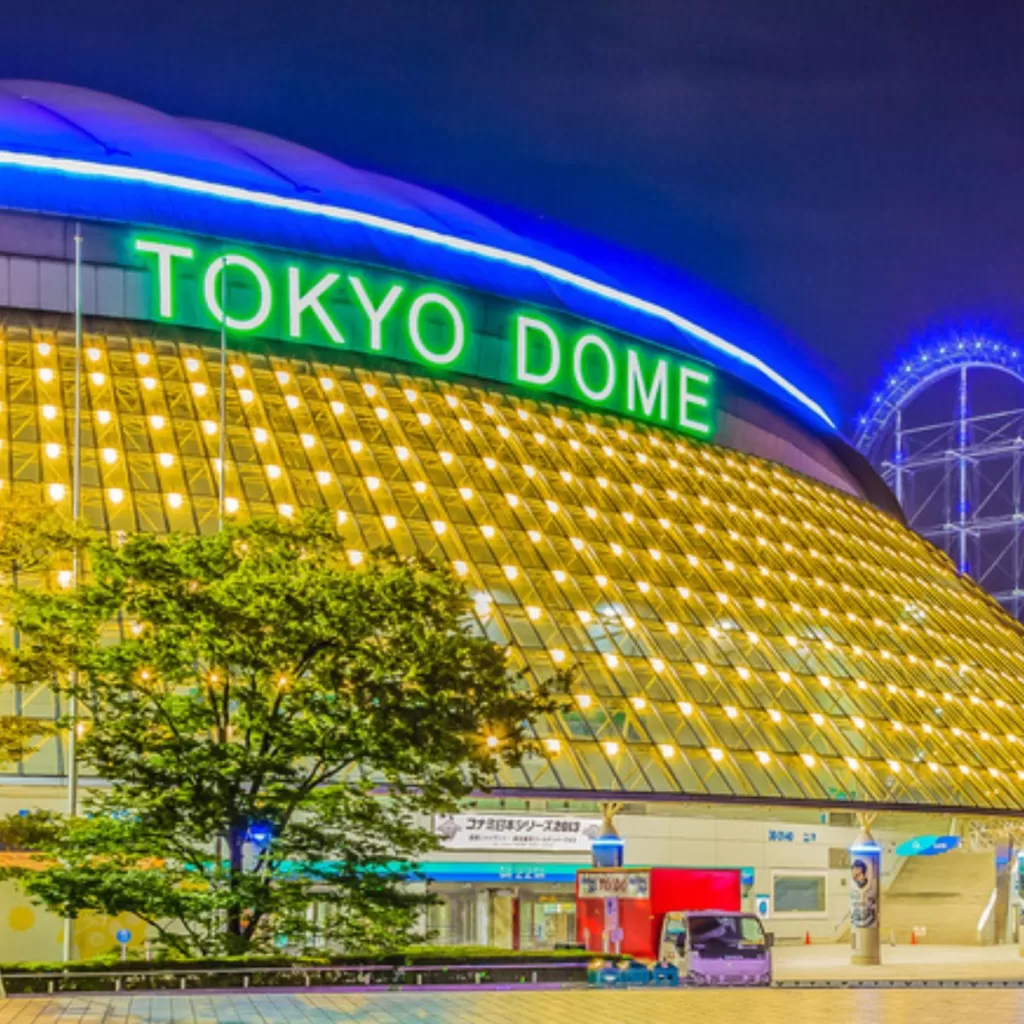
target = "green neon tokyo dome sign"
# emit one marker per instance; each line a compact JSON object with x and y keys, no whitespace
{"x":373,"y":313}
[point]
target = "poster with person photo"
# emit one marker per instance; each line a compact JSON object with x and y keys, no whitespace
{"x":864,"y":890}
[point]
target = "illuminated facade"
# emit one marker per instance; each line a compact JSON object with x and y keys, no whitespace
{"x":620,"y":489}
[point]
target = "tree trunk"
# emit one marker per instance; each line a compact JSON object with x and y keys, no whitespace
{"x":236,"y":868}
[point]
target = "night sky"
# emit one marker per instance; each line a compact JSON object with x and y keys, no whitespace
{"x":852,"y":170}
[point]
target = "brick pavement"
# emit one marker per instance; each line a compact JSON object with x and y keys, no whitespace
{"x":550,"y":1007}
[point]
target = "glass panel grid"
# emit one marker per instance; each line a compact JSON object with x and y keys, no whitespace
{"x":737,"y":629}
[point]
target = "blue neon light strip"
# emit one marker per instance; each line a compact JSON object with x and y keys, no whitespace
{"x":865,"y":848}
{"x":461,"y":872}
{"x":182,"y":183}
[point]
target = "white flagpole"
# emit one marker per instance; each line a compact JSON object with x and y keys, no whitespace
{"x":223,"y":428}
{"x":76,"y":511}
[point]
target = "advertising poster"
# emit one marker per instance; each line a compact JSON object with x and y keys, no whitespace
{"x":864,"y":872}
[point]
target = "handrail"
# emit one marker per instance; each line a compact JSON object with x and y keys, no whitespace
{"x":311,"y":968}
{"x":305,"y":971}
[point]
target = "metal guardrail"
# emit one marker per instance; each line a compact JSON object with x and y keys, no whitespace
{"x":305,"y":975}
{"x":404,"y":975}
{"x":893,"y":983}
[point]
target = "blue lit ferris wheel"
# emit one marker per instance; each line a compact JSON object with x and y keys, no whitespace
{"x":946,"y":432}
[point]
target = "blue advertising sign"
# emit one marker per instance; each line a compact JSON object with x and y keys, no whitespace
{"x":927,"y":846}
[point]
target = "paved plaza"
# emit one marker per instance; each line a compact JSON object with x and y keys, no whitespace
{"x":831,"y":962}
{"x":906,"y":1006}
{"x":639,"y":1006}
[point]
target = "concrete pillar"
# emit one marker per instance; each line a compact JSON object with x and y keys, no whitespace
{"x":483,"y":917}
{"x":608,"y":850}
{"x":1006,"y":862}
{"x":865,"y":896}
{"x":516,"y":919}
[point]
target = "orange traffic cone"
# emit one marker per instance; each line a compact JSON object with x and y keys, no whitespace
{"x":913,"y":937}
{"x":807,"y":938}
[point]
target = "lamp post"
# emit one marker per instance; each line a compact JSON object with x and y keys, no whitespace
{"x":76,"y":511}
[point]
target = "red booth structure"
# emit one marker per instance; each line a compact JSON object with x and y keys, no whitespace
{"x":622,"y":909}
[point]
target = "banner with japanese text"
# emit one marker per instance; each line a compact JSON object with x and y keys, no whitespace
{"x":548,"y":833}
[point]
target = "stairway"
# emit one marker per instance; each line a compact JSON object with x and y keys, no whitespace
{"x":946,"y":894}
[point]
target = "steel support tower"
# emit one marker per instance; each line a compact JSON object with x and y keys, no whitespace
{"x":946,"y":432}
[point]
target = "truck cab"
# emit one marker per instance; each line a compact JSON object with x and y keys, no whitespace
{"x":712,"y":947}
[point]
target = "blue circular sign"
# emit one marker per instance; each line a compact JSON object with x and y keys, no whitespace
{"x":124,"y":936}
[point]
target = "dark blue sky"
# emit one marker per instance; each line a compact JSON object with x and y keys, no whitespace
{"x":853,"y":170}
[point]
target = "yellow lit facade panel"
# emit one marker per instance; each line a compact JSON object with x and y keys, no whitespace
{"x":738,"y":630}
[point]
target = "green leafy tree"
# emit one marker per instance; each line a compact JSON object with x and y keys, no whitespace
{"x":30,"y":535}
{"x":270,"y":722}
{"x":20,"y":736}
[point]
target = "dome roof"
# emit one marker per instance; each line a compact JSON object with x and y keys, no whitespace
{"x":67,"y":121}
{"x":75,"y":152}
